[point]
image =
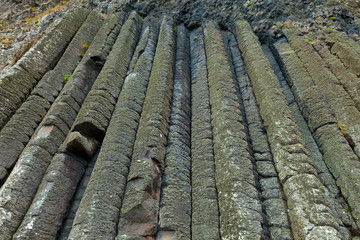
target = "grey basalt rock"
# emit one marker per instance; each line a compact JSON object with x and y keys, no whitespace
{"x":297,"y":172}
{"x":235,"y":179}
{"x":15,"y":78}
{"x":43,"y":56}
{"x":327,"y":135}
{"x":110,"y":80}
{"x":45,"y":215}
{"x":61,"y":112}
{"x":140,"y":207}
{"x":95,"y":217}
{"x":270,"y":186}
{"x":205,"y":211}
{"x":40,"y":59}
{"x":349,"y":80}
{"x":334,"y":93}
{"x":175,"y":204}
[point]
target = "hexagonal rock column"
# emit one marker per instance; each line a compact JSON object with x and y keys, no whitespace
{"x":19,"y":189}
{"x":235,"y":178}
{"x":140,"y":208}
{"x":333,"y":92}
{"x":99,"y":209}
{"x":175,"y":204}
{"x":321,"y":122}
{"x":205,"y":212}
{"x":323,"y":126}
{"x":272,"y":192}
{"x":24,"y":122}
{"x":309,"y":212}
{"x":98,"y":107}
{"x":38,"y":60}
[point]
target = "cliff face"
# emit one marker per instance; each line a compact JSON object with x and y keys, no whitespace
{"x":151,"y":120}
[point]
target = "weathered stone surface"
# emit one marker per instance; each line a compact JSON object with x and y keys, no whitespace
{"x":266,"y":168}
{"x":95,"y":217}
{"x":276,"y":211}
{"x":51,"y":201}
{"x":14,"y":197}
{"x":139,"y":214}
{"x":175,"y":204}
{"x":232,"y":160}
{"x":80,"y":145}
{"x":311,"y":100}
{"x":3,"y":173}
{"x":331,"y":190}
{"x":75,"y":202}
{"x":16,"y":78}
{"x":349,"y":80}
{"x":334,"y":93}
{"x":149,"y":146}
{"x":43,"y":56}
{"x":81,"y":81}
{"x":290,"y":156}
{"x":301,"y":189}
{"x":114,"y":71}
{"x":205,"y":212}
{"x":334,"y":147}
{"x":348,"y":56}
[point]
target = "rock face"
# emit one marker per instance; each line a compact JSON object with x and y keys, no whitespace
{"x":138,"y":126}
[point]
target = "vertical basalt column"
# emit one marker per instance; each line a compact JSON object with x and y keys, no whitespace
{"x":24,"y":122}
{"x":337,"y":154}
{"x":234,"y":173}
{"x":309,"y":212}
{"x":20,"y":187}
{"x":205,"y":212}
{"x":50,"y":205}
{"x":273,"y":199}
{"x":347,"y":50}
{"x":99,"y":209}
{"x":140,"y":207}
{"x":36,"y":62}
{"x":334,"y":93}
{"x":336,"y":201}
{"x":99,"y":105}
{"x":350,"y":81}
{"x":175,"y":205}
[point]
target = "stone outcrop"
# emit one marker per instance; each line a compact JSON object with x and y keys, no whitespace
{"x":134,"y":126}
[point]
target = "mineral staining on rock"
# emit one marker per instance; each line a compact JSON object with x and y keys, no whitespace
{"x":182,"y":126}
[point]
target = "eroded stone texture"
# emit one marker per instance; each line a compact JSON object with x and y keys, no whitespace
{"x":80,"y":145}
{"x":50,"y":205}
{"x":339,"y":100}
{"x":47,"y":51}
{"x":38,"y":60}
{"x":349,"y":80}
{"x":175,"y":205}
{"x":99,"y":209}
{"x":271,"y":189}
{"x":140,"y":207}
{"x":205,"y":213}
{"x":46,"y":139}
{"x":343,"y":164}
{"x":290,"y":156}
{"x":285,"y":54}
{"x":97,"y":109}
{"x":235,"y":179}
{"x":333,"y":145}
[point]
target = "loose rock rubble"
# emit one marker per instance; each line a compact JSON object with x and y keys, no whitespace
{"x":148,"y":124}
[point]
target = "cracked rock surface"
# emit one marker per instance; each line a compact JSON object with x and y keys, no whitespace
{"x":151,"y":120}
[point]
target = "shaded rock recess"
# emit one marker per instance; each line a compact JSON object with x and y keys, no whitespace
{"x":136,"y":126}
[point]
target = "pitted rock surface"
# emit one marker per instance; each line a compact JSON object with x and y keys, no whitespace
{"x":151,"y":120}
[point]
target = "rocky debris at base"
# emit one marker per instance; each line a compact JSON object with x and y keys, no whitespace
{"x":151,"y":120}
